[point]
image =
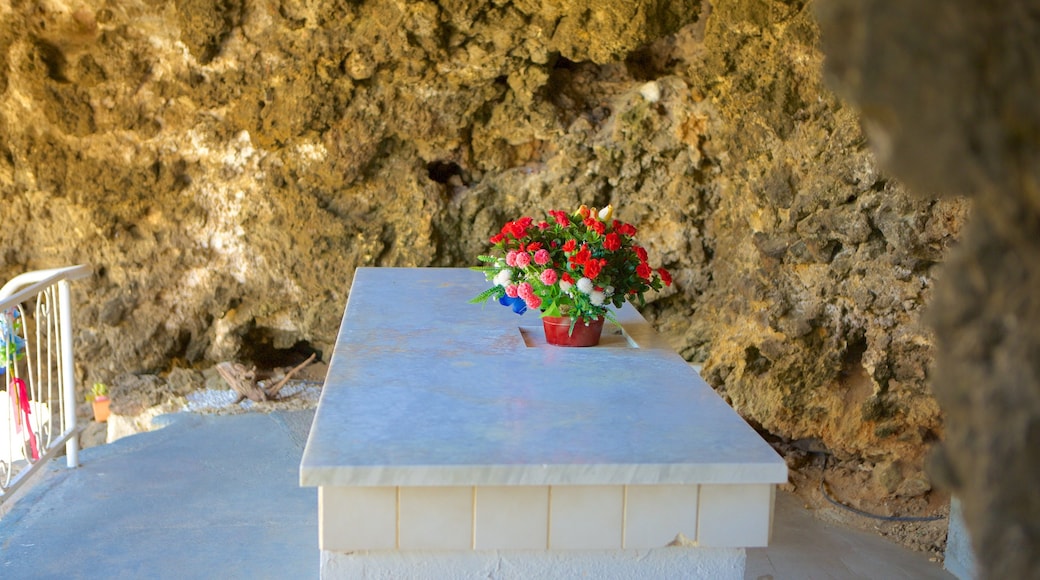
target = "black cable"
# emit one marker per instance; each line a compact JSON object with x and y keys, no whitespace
{"x":823,"y":490}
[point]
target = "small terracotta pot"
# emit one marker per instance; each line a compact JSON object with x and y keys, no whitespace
{"x":101,"y":411}
{"x":585,"y":333}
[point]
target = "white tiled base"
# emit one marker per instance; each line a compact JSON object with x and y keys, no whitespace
{"x":436,"y":518}
{"x":586,"y":517}
{"x":580,"y":517}
{"x":357,"y":518}
{"x":512,"y":518}
{"x":657,"y":514}
{"x":735,"y":515}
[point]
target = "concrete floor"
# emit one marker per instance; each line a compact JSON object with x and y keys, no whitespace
{"x":218,"y":497}
{"x":805,"y":547}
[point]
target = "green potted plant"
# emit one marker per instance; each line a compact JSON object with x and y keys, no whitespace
{"x":98,"y":398}
{"x":572,"y":268}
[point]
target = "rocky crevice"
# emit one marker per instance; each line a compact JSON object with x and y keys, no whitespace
{"x":224,"y":167}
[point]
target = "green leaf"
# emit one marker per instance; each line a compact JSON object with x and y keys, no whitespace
{"x":495,"y":291}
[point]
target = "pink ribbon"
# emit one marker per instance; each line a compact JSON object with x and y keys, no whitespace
{"x":21,"y":396}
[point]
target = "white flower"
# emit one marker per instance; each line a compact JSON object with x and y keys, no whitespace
{"x":609,"y":290}
{"x":606,"y":213}
{"x":566,"y":286}
{"x":597,"y":298}
{"x":504,"y":277}
{"x":585,"y":285}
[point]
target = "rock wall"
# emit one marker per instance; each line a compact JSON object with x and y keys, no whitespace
{"x":225,"y":166}
{"x":949,"y":92}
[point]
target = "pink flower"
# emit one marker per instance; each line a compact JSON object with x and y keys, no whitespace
{"x":511,"y":257}
{"x":533,"y":302}
{"x":521,"y":260}
{"x":525,"y":291}
{"x":511,"y":291}
{"x":548,"y":277}
{"x":541,"y":257}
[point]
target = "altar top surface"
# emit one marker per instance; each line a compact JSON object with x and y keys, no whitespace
{"x":424,"y":389}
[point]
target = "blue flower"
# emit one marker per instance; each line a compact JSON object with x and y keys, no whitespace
{"x":12,"y":346}
{"x":517,"y":304}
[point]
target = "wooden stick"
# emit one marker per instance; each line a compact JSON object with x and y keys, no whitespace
{"x":241,"y":380}
{"x":273,"y":391}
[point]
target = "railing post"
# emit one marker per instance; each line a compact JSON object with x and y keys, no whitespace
{"x":68,"y":373}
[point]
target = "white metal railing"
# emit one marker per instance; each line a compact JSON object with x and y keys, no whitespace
{"x":38,"y":396}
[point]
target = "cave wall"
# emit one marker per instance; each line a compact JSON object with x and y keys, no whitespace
{"x":948,"y":92}
{"x":225,"y":166}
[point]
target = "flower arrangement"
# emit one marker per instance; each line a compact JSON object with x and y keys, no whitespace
{"x":569,"y":265}
{"x":12,"y":346}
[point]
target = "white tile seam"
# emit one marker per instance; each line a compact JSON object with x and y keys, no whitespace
{"x":700,"y":512}
{"x":624,"y":516}
{"x":548,"y":522}
{"x":321,"y":517}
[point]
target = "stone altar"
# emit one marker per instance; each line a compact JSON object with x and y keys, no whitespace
{"x":451,"y":441}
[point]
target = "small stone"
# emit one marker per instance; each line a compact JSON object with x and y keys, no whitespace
{"x":651,"y":91}
{"x":914,"y":486}
{"x":93,"y":434}
{"x":887,"y":476}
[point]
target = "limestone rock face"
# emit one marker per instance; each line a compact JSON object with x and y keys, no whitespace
{"x":225,"y":166}
{"x":949,"y":93}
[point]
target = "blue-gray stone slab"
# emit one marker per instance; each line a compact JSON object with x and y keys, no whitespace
{"x":424,"y":389}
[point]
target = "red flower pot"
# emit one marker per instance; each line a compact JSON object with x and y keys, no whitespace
{"x":585,"y":333}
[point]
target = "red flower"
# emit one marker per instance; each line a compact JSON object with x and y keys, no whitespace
{"x":534,"y":246}
{"x":595,"y":225}
{"x":543,"y":225}
{"x":560,"y":217}
{"x":497,"y":238}
{"x":641,"y":253}
{"x":665,"y":276}
{"x":644,"y":271}
{"x":593,"y":267}
{"x":566,"y":277}
{"x":624,"y":229}
{"x":583,"y":255}
{"x":569,"y":245}
{"x":518,"y":228}
{"x":612,"y":242}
